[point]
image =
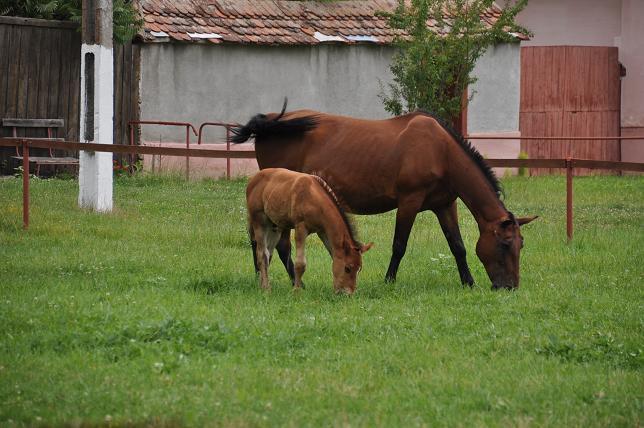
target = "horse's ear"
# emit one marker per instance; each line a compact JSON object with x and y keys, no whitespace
{"x":366,"y":247}
{"x":526,"y":220}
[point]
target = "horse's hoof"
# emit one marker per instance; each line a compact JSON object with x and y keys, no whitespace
{"x":390,"y":279}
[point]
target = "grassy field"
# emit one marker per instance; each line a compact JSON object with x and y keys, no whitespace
{"x":152,"y":315}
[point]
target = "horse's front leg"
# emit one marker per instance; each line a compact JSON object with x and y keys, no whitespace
{"x":448,"y":219}
{"x":408,"y":207}
{"x":300,"y":258}
{"x":284,"y":251}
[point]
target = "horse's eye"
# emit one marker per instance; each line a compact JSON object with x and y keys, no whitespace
{"x":347,"y":269}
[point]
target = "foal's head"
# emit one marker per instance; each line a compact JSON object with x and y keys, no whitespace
{"x":346,"y":264}
{"x":498,"y":249}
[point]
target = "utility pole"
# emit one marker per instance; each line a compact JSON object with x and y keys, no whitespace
{"x":97,"y":105}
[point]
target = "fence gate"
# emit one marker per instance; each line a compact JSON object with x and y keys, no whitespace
{"x":570,"y":91}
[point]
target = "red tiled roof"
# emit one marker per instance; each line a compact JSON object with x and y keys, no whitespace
{"x":283,"y":22}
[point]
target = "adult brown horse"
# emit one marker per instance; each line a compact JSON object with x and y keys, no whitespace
{"x":412,"y":162}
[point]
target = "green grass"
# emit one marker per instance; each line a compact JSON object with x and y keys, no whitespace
{"x":153,"y":315}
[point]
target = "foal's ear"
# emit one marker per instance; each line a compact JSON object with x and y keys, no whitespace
{"x":526,"y":220}
{"x":366,"y":247}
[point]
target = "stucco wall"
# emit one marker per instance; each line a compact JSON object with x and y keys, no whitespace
{"x":495,"y":106}
{"x":572,"y":22}
{"x":631,"y":54}
{"x":199,"y":83}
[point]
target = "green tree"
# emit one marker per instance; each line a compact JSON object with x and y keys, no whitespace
{"x":441,"y":42}
{"x":127,"y":21}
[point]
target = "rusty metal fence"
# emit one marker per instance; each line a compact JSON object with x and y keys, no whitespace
{"x":568,"y":164}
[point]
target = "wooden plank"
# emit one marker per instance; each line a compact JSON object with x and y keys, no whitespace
{"x":34,"y":123}
{"x":44,"y":83}
{"x":54,"y":76}
{"x":5,"y":41}
{"x":73,"y":112}
{"x":33,"y":22}
{"x":62,"y":107}
{"x":23,"y":71}
{"x":13,"y":74}
{"x":34,"y":65}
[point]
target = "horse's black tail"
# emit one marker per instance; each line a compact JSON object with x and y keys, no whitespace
{"x":260,"y":126}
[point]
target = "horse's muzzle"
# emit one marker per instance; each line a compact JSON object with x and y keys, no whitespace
{"x":504,"y":285}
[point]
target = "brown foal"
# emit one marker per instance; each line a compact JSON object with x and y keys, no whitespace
{"x":279,"y":200}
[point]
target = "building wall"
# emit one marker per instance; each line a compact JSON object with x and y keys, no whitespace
{"x":494,"y":108}
{"x":495,"y":105}
{"x":231,"y":83}
{"x":572,"y":22}
{"x":199,"y":83}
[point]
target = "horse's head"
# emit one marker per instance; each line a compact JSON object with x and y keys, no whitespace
{"x":346,"y":264}
{"x":499,"y":247}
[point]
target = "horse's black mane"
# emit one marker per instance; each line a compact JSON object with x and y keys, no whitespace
{"x":345,"y":218}
{"x":474,"y":154}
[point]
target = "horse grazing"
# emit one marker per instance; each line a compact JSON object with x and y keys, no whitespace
{"x":412,"y":162}
{"x":279,"y":200}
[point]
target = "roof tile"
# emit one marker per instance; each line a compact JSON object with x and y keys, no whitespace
{"x":273,"y":21}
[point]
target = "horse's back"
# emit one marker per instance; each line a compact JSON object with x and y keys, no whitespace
{"x":277,"y":182}
{"x":280,"y":195}
{"x":362,"y":159}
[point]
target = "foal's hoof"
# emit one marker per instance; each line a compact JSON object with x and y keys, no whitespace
{"x":390,"y":279}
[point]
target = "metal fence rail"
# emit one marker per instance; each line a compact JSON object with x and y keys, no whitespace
{"x":567,"y":164}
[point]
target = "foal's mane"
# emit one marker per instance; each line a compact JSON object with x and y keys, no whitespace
{"x":343,"y":214}
{"x":473,"y":154}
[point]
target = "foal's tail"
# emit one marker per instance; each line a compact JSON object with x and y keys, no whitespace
{"x":261,"y":126}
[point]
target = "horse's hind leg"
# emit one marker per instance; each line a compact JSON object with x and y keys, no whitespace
{"x":448,"y":219}
{"x":262,"y":256}
{"x":284,"y":251}
{"x":408,"y":207}
{"x":273,"y":235}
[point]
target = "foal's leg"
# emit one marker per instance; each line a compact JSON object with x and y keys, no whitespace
{"x":262,"y":256}
{"x":253,"y":246}
{"x":272,"y":238}
{"x":408,"y":207}
{"x":300,"y":259}
{"x":284,"y":251}
{"x":448,"y":219}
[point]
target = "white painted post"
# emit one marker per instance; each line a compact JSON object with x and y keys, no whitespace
{"x":97,"y":108}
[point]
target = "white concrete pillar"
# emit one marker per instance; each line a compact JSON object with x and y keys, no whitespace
{"x":97,"y":105}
